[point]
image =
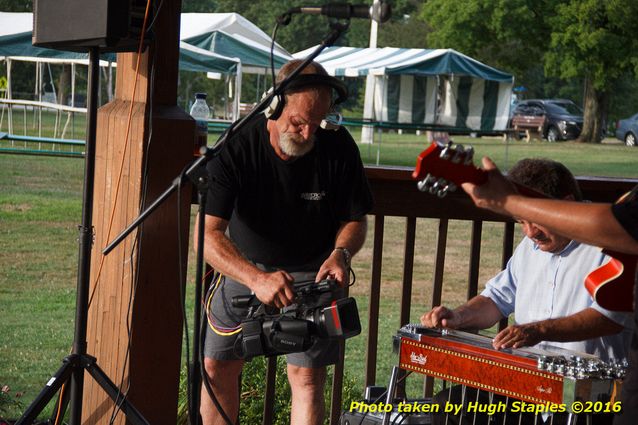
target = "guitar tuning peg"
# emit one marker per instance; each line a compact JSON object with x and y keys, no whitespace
{"x":459,"y":155}
{"x":446,"y":153}
{"x":469,"y":155}
{"x":438,"y":186}
{"x":425,"y":184}
{"x":449,"y":187}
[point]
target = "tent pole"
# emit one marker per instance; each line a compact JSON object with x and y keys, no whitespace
{"x":73,"y":101}
{"x":367,"y":132}
{"x":35,"y":93}
{"x":39,"y":78}
{"x":236,"y":105}
{"x":110,"y":86}
{"x":9,"y":96}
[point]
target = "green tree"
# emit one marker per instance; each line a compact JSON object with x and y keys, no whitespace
{"x":508,"y":34}
{"x":406,"y":28}
{"x":199,"y":6}
{"x":16,"y":5}
{"x":596,"y":43}
{"x":579,"y":41}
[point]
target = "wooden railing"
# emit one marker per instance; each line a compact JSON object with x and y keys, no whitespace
{"x":396,"y":195}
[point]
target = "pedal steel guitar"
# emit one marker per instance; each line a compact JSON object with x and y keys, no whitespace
{"x":553,"y":375}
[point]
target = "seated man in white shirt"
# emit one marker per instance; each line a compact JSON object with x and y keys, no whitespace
{"x":543,"y":286}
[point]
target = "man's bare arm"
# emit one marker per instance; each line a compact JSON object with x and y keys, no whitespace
{"x":580,"y":326}
{"x":478,"y":313}
{"x":591,"y":223}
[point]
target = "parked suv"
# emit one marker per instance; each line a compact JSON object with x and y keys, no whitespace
{"x":563,"y":118}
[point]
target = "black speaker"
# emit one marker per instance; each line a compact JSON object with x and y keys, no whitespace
{"x":111,"y":25}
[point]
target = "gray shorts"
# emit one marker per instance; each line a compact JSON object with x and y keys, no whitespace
{"x":226,"y":317}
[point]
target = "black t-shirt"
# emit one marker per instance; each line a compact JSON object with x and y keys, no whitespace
{"x":287,"y":213}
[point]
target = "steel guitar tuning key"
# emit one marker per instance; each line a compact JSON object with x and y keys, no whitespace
{"x":543,"y":363}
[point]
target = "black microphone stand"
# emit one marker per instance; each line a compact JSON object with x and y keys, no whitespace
{"x":73,"y":366}
{"x":196,"y":173}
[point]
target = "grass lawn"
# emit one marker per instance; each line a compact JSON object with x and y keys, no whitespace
{"x":40,"y":209}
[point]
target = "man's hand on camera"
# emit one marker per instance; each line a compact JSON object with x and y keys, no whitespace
{"x":335,"y":267}
{"x":275,"y":289}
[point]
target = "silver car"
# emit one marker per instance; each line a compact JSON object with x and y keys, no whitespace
{"x":627,"y":130}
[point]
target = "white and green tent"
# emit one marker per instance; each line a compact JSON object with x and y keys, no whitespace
{"x":425,"y":87}
{"x":230,"y":34}
{"x":15,"y":45}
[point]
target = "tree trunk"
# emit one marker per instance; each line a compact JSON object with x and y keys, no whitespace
{"x":595,"y":104}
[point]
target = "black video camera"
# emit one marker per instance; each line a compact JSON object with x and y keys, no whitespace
{"x":295,"y":330}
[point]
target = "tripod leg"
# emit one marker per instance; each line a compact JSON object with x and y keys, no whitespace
{"x":61,"y":405}
{"x":132,"y":414}
{"x":52,"y":387}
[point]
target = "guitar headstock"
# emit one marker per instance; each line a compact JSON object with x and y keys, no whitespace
{"x":441,"y":168}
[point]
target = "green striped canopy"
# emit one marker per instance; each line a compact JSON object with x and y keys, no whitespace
{"x":439,"y":87}
{"x":190,"y":58}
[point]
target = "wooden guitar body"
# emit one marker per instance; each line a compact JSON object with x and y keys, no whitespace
{"x":612,"y":284}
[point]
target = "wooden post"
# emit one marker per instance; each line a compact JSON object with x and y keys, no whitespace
{"x":135,"y":315}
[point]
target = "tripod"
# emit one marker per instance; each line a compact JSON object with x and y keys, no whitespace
{"x":74,"y":365}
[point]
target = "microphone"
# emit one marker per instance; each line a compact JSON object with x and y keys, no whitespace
{"x":379,"y":12}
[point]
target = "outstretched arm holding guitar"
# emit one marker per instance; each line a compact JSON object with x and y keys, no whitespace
{"x":614,"y":227}
{"x":591,"y":223}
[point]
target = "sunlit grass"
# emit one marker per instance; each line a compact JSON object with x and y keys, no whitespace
{"x":40,"y":209}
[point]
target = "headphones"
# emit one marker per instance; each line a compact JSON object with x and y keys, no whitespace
{"x":276,"y":107}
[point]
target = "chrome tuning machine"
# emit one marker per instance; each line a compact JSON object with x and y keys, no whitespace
{"x":439,"y":187}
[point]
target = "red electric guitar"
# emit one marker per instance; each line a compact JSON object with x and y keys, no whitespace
{"x":441,"y":168}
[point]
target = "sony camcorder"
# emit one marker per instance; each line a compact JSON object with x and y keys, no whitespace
{"x":295,"y":329}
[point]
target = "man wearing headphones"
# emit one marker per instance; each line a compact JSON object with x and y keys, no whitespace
{"x":287,"y":201}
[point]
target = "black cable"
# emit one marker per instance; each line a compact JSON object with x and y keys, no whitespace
{"x":354,"y":276}
{"x":182,"y":295}
{"x":204,"y":314}
{"x":133,"y":290}
{"x":157,"y":10}
{"x":209,"y":389}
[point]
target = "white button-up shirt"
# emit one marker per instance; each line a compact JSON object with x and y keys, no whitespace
{"x":538,"y":285}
